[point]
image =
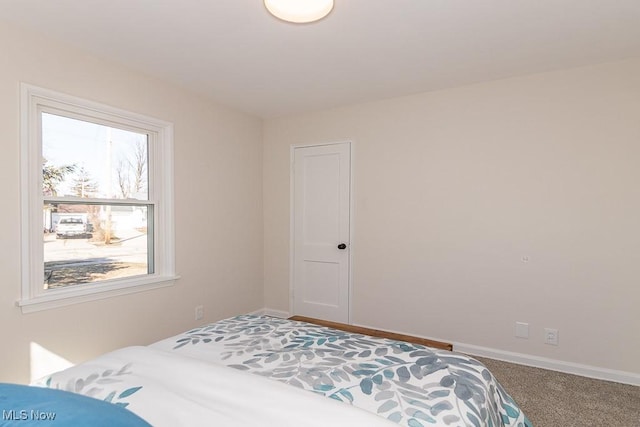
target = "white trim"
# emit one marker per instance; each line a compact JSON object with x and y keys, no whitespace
{"x":291,"y":221}
{"x":291,"y":226}
{"x":518,"y":358}
{"x":352,"y":241}
{"x":536,"y":361}
{"x":130,"y":286}
{"x":106,"y":112}
{"x":550,"y":364}
{"x":160,"y":197}
{"x":96,"y":200}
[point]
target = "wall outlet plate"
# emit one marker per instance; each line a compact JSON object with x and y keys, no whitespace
{"x":522,"y":330}
{"x":551,"y":336}
{"x":199,"y":312}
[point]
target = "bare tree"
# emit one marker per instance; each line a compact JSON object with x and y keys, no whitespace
{"x":132,"y":171}
{"x":139,"y":167}
{"x":122,"y":170}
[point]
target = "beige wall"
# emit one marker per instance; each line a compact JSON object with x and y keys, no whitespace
{"x":454,"y":188}
{"x":218,"y":211}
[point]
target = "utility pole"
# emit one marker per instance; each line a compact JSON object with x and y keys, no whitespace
{"x":107,"y":225}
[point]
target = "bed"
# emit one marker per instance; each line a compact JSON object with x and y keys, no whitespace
{"x":260,"y":370}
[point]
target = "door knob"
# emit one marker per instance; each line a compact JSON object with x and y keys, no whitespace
{"x":342,"y":246}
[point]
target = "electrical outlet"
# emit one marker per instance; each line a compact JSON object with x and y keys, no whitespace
{"x":551,"y":336}
{"x":199,"y":312}
{"x":522,"y":330}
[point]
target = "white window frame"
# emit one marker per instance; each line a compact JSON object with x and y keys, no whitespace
{"x":34,"y":101}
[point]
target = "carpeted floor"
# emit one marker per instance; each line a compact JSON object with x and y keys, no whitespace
{"x":554,"y":399}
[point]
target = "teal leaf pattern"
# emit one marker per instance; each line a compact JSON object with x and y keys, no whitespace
{"x":410,"y":384}
{"x":100,"y":385}
{"x":128,"y":392}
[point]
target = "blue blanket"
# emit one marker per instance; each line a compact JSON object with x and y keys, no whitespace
{"x":27,"y":406}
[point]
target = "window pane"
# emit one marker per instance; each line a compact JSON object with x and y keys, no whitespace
{"x":85,"y":159}
{"x":90,"y":243}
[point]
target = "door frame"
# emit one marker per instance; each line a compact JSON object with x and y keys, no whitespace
{"x":292,"y":149}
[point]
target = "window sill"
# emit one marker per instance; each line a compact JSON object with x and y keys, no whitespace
{"x":83,"y":293}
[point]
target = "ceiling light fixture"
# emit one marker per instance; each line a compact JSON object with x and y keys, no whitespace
{"x":299,"y":11}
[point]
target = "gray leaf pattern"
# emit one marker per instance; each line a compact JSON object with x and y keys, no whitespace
{"x":409,"y":384}
{"x":94,"y":385}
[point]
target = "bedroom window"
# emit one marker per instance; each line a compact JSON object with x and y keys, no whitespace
{"x":97,"y":199}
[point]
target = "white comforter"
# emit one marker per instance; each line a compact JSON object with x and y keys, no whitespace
{"x":409,"y":384}
{"x":168,"y":389}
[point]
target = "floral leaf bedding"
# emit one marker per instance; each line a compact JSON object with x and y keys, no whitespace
{"x":170,"y":390}
{"x":409,"y":384}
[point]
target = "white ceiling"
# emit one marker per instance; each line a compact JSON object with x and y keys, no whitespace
{"x":236,"y":53}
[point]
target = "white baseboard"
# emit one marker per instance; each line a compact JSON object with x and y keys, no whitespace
{"x":550,"y":364}
{"x":519,"y":358}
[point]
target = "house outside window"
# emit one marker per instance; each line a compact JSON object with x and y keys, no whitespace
{"x":97,"y":198}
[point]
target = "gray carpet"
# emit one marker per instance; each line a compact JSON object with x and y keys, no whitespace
{"x":554,"y":399}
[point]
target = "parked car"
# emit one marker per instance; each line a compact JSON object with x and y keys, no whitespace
{"x":68,"y":227}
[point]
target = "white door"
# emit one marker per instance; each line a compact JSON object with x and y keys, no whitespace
{"x":321,"y":204}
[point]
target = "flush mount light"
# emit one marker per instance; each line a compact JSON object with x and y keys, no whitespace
{"x":299,"y":11}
